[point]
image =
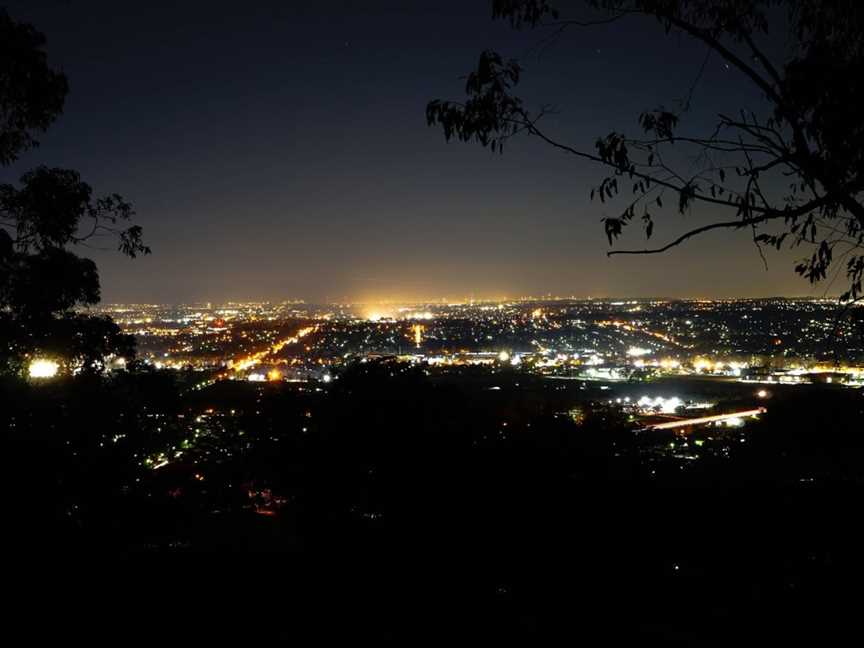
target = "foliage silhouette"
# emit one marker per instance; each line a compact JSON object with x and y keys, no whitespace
{"x":31,"y":93}
{"x":791,"y":176}
{"x":406,"y":510}
{"x":42,"y":282}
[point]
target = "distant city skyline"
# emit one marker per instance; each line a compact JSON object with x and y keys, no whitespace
{"x":442,"y":301}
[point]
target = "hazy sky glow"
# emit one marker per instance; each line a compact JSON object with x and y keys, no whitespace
{"x":280,"y":151}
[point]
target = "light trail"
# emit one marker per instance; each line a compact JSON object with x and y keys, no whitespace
{"x":706,"y":419}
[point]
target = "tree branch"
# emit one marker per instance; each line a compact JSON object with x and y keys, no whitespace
{"x":737,"y":224}
{"x":695,"y":232}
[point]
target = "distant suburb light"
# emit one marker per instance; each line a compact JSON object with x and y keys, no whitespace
{"x":504,"y":356}
{"x":762,"y":393}
{"x":42,"y":368}
{"x":327,"y":378}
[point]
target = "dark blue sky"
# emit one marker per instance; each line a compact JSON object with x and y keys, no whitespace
{"x":279,"y":150}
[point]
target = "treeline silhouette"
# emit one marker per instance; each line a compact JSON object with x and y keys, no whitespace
{"x":407,"y":513}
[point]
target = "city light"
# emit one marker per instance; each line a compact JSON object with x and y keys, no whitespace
{"x":660,"y":404}
{"x":564,"y":339}
{"x":702,"y":364}
{"x":43,"y":368}
{"x":437,"y":392}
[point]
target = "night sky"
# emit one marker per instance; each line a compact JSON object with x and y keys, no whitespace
{"x":280,"y":151}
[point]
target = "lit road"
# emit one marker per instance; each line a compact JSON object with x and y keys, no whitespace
{"x":670,"y":425}
{"x":247,"y":362}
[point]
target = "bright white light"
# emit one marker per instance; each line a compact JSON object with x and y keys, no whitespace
{"x":41,"y":368}
{"x":327,"y":378}
{"x":256,"y":377}
{"x":635,"y":352}
{"x":670,"y":405}
{"x":425,"y":315}
{"x":664,"y":405}
{"x":504,"y":356}
{"x":762,"y":393}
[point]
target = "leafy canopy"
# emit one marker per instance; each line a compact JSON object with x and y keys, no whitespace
{"x":42,"y":281}
{"x":31,"y":93}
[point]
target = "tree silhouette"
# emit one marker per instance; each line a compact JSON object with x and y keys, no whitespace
{"x":791,"y":176}
{"x":41,"y":281}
